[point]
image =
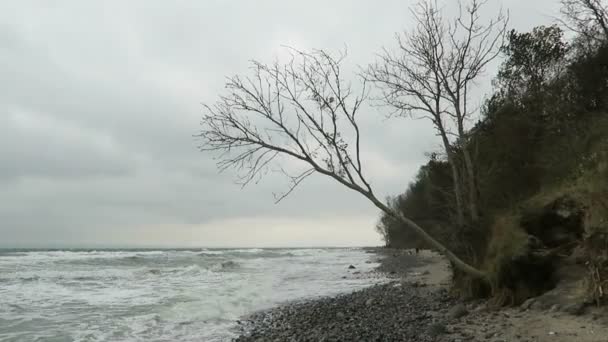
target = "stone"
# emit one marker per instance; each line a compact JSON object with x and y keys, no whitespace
{"x":480,"y":308}
{"x":351,"y":267}
{"x":528,"y":304}
{"x":458,"y":311}
{"x":537,"y":305}
{"x":575,"y":309}
{"x":369,"y":302}
{"x":437,"y":329}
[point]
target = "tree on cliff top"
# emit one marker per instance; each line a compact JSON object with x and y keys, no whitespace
{"x":431,"y":75}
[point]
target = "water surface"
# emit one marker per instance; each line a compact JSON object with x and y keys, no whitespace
{"x":160,"y":295}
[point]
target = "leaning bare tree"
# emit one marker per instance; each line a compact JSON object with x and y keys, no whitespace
{"x":412,"y":84}
{"x":431,"y":75}
{"x":588,"y":18}
{"x":302,"y":111}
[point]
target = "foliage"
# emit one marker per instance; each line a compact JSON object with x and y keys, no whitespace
{"x":429,"y":198}
{"x":533,"y":59}
{"x":544,"y":126}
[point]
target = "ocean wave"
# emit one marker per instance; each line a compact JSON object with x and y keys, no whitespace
{"x":228,"y":265}
{"x":166,"y":295}
{"x":75,"y":256}
{"x":60,"y":276}
{"x":12,"y":254}
{"x":133,"y":259}
{"x":188,"y":270}
{"x":247,"y":253}
{"x":206,"y":253}
{"x":247,"y":250}
{"x":231,"y":251}
{"x":109,"y":274}
{"x":262,"y":253}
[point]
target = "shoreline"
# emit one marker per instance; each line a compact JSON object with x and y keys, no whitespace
{"x":394,"y":310}
{"x":414,"y":305}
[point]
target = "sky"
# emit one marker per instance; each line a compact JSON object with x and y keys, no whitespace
{"x":99,"y":102}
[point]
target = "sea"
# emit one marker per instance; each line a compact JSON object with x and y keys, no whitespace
{"x":162,"y":294}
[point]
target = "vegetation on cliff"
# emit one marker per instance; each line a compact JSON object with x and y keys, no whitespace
{"x":518,"y":189}
{"x":540,"y":151}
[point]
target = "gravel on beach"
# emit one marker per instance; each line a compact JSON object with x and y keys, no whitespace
{"x":414,"y":306}
{"x":400,"y":310}
{"x":389,"y":312}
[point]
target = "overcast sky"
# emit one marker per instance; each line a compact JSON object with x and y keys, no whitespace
{"x":99,"y":101}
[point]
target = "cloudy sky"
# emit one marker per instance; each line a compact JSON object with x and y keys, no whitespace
{"x":99,"y":101}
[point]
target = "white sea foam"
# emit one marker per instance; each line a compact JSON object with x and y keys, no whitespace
{"x":165,"y":295}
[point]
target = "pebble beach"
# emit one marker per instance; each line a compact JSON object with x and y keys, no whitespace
{"x":414,"y":305}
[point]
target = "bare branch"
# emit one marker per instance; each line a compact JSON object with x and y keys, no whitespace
{"x":589,"y":18}
{"x":294,"y":182}
{"x":431,"y":74}
{"x":305,"y":111}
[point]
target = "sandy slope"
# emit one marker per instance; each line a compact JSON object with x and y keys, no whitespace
{"x":515,"y":324}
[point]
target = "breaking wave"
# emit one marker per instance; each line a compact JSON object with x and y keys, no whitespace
{"x":154,"y":295}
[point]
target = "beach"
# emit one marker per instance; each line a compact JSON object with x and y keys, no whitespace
{"x":416,"y":306}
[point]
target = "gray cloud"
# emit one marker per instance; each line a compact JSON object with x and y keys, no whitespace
{"x":37,"y":145}
{"x":99,"y":102}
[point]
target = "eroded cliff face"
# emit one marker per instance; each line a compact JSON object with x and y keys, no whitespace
{"x":555,"y":248}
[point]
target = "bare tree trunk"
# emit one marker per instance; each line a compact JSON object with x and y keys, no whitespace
{"x":251,"y":129}
{"x":472,"y":184}
{"x":455,"y":174}
{"x":430,"y":75}
{"x":469,"y":166}
{"x":458,"y":263}
{"x":457,"y":192}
